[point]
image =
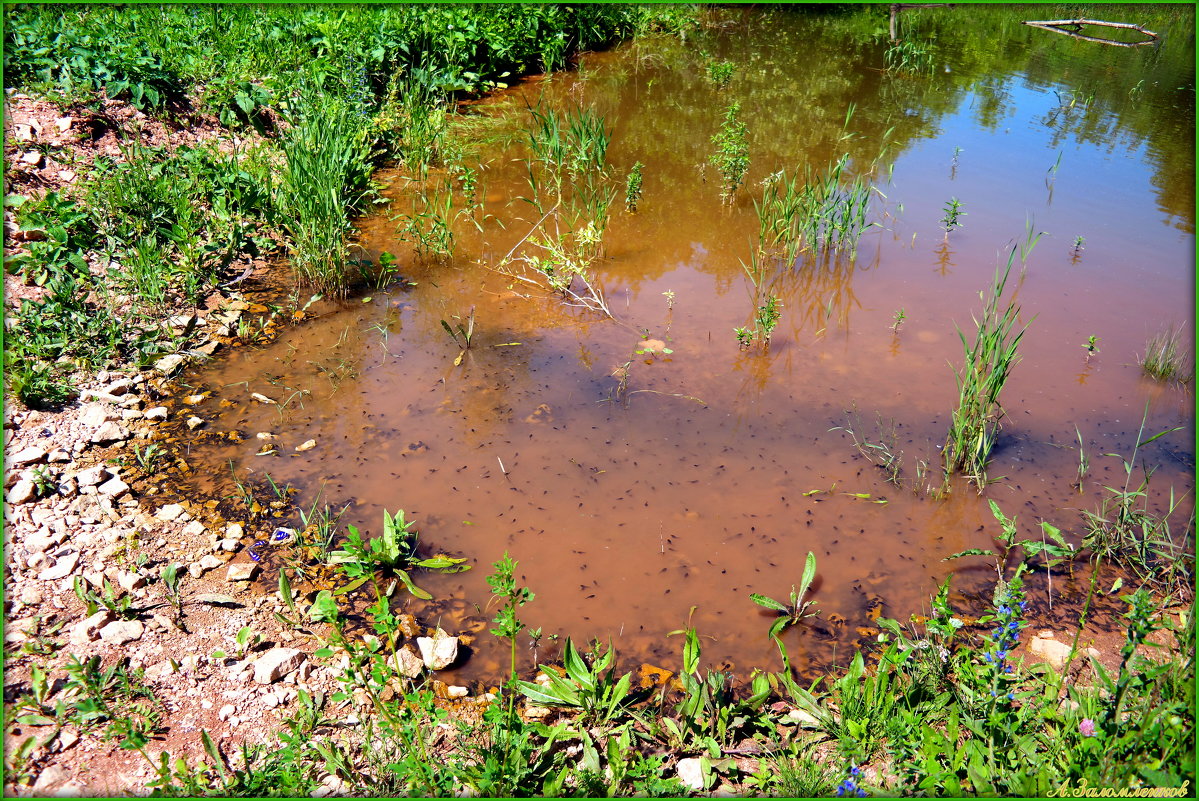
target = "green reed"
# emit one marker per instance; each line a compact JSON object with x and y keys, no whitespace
{"x":818,"y":213}
{"x":1164,"y":360}
{"x":562,"y":144}
{"x":988,"y":364}
{"x":909,"y":56}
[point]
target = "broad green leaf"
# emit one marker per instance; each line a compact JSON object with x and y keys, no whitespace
{"x":324,"y":608}
{"x":769,"y":603}
{"x":412,"y":588}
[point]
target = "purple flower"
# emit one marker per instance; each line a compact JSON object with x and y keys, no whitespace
{"x":1086,"y":727}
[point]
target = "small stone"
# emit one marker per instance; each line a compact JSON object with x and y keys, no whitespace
{"x":226,"y":712}
{"x":169,"y":364}
{"x":61,"y":569}
{"x":31,"y":595}
{"x":307,"y":446}
{"x":113,"y":488}
{"x":120,"y":632}
{"x":455,"y":691}
{"x":533,"y":712}
{"x":23,"y":491}
{"x":270,"y":701}
{"x":230,"y":544}
{"x":208,"y":348}
{"x":194,"y":422}
{"x":691,"y":773}
{"x":194,"y":529}
{"x":157,"y":413}
{"x":94,"y":414}
{"x":265,"y":435}
{"x":1054,"y":652}
{"x":409,"y":663}
{"x":210,"y":562}
{"x":92,"y":476}
{"x":131,"y":581}
{"x":235,"y":530}
{"x":32,"y":158}
{"x":67,"y":738}
{"x":165,"y":623}
{"x":110,"y":432}
{"x":241,"y":572}
{"x":169,"y":512}
{"x":438,"y":651}
{"x":28,"y":455}
{"x":262,"y":398}
{"x":119,"y":387}
{"x":52,"y":775}
{"x":63,"y":124}
{"x":41,"y":541}
{"x":59,"y":455}
{"x":88,"y":629}
{"x":276,"y":663}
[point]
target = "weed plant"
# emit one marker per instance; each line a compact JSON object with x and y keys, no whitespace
{"x":988,"y":364}
{"x":911,"y":57}
{"x":731,"y":158}
{"x":820,"y":213}
{"x":1164,"y":360}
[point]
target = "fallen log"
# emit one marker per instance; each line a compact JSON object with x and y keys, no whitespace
{"x":1059,"y":26}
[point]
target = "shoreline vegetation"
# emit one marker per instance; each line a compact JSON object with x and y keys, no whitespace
{"x":205,"y":146}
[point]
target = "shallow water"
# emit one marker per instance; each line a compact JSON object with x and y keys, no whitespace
{"x":716,"y":469}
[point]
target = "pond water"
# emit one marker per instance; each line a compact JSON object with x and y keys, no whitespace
{"x":631,"y":487}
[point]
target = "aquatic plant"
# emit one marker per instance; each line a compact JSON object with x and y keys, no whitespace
{"x":819,"y":212}
{"x":1091,"y":345}
{"x":721,"y":72}
{"x":393,"y":552}
{"x":768,"y":317}
{"x":461,"y":335}
{"x":795,"y":611}
{"x":731,"y":158}
{"x":1163,"y":359}
{"x":988,"y":364}
{"x":632,"y":188}
{"x":909,"y":56}
{"x":899,"y":317}
{"x":953,"y":213}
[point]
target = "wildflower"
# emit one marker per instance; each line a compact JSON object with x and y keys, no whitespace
{"x":1086,"y":727}
{"x":955,"y":623}
{"x":849,"y":788}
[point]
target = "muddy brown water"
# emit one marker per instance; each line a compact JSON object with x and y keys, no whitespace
{"x":719,"y":468}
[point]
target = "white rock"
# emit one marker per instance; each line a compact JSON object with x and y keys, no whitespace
{"x":438,"y":651}
{"x":33,"y":159}
{"x":23,"y":491}
{"x":230,"y":544}
{"x":454,"y":691}
{"x":194,"y":422}
{"x":92,"y":476}
{"x":409,"y":663}
{"x":110,"y":432}
{"x":113,"y":488}
{"x":241,"y":572}
{"x":210,"y":562}
{"x":261,"y":398}
{"x":168,"y":364}
{"x":61,"y":569}
{"x":88,"y":629}
{"x":226,"y":712}
{"x":157,"y":413}
{"x":277,"y":662}
{"x":119,"y":387}
{"x":169,"y":512}
{"x":691,"y":773}
{"x":27,"y":455}
{"x":59,"y":455}
{"x":120,"y":632}
{"x":194,"y":529}
{"x":42,"y":540}
{"x":235,"y":531}
{"x":306,"y":446}
{"x":131,"y":581}
{"x":1054,"y":652}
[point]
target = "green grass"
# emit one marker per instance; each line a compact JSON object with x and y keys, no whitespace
{"x":988,"y":365}
{"x":822,"y":212}
{"x":1165,"y":359}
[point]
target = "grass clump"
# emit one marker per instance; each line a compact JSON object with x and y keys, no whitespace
{"x":325,"y":180}
{"x":1164,"y":360}
{"x":988,"y":365}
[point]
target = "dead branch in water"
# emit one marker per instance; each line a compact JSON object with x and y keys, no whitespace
{"x":1059,"y":26}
